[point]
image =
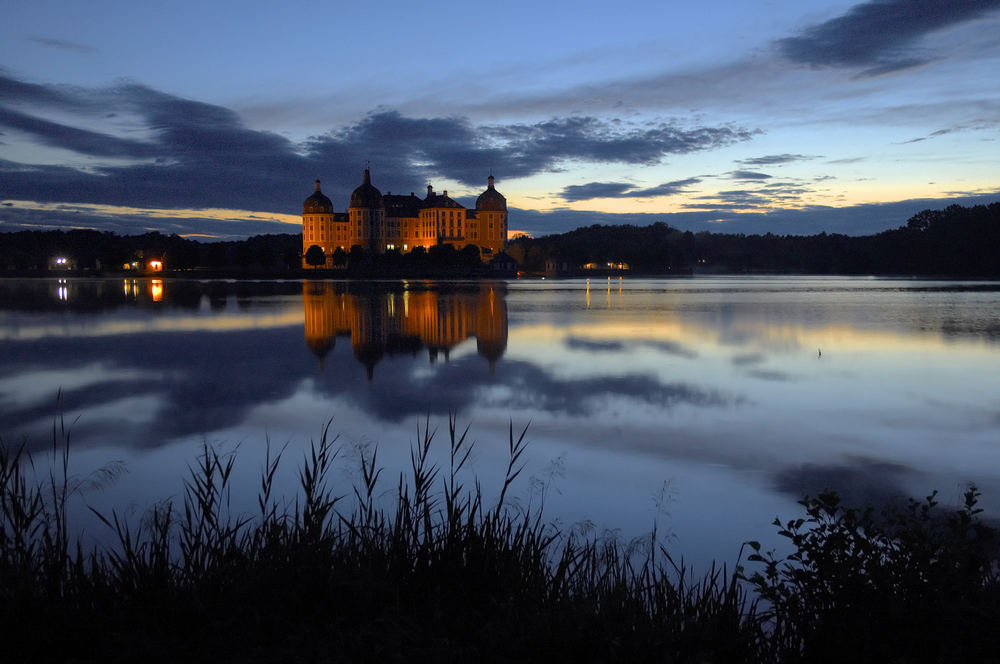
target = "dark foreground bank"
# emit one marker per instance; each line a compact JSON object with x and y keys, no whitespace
{"x":443,"y":575}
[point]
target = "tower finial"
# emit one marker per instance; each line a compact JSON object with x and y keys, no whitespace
{"x":317,"y":184}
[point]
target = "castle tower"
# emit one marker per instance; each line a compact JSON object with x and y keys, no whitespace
{"x":317,"y":225}
{"x":367,"y":216}
{"x":491,"y":218}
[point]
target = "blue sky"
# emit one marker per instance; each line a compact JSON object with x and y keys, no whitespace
{"x":213,"y":119}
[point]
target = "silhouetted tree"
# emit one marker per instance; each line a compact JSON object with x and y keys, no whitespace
{"x":339,"y":257}
{"x":290,"y":257}
{"x":358,"y":255}
{"x":315,"y":256}
{"x":470,"y":256}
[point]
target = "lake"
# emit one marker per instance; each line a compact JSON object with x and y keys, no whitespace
{"x":706,"y":405}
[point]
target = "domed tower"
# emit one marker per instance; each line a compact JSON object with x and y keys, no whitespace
{"x":367,"y":216}
{"x":317,"y":224}
{"x":491,"y":215}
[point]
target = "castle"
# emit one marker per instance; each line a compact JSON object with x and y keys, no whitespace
{"x":380,"y":223}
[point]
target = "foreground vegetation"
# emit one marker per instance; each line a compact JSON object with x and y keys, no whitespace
{"x":442,"y":575}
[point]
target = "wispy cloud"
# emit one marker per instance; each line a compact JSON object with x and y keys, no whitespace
{"x":592,"y":190}
{"x":775,"y":159}
{"x":748,"y":175}
{"x":65,"y":45}
{"x":933,"y":134}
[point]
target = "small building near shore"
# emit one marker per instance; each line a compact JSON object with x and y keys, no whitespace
{"x":558,"y":266}
{"x":503,"y":265}
{"x":62,"y":263}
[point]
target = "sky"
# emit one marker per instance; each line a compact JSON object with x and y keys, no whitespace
{"x":212,"y":119}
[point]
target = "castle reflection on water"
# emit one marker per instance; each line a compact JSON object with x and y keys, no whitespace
{"x":384,"y":321}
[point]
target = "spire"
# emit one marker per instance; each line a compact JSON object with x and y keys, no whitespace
{"x":317,"y":185}
{"x":368,"y":175}
{"x":489,"y":180}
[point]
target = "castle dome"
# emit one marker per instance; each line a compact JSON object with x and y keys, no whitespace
{"x":366,"y":196}
{"x":491,"y":199}
{"x":317,"y":203}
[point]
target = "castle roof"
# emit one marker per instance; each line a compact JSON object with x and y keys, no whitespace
{"x":491,"y":199}
{"x":435,"y":200}
{"x":398,"y":205}
{"x":317,"y":203}
{"x":366,"y":195}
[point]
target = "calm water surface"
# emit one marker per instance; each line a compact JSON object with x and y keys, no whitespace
{"x":707,"y":405}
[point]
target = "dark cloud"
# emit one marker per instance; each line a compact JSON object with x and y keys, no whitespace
{"x":665,"y":189}
{"x":456,"y":149}
{"x":195,"y":154}
{"x":13,"y":91}
{"x":748,"y":175}
{"x":591,"y":190}
{"x":775,"y":159}
{"x":71,"y":138}
{"x":584,"y":192}
{"x":738,"y":198}
{"x":880,"y":36}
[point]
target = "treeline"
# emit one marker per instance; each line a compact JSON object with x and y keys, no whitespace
{"x":95,"y":252}
{"x":955,"y":241}
{"x":89,"y":250}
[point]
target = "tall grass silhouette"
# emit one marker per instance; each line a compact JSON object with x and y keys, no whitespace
{"x":443,"y":573}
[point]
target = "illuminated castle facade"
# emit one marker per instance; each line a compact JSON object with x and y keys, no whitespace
{"x":381,"y":223}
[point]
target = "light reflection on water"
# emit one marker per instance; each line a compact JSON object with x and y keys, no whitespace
{"x":727,"y":397}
